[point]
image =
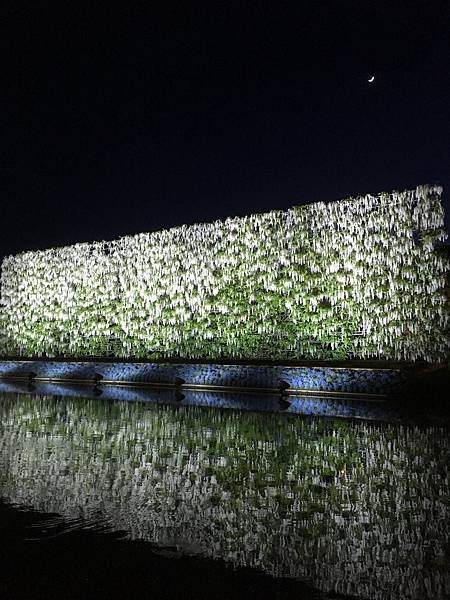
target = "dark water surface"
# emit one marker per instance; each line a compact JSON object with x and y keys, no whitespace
{"x":105,"y":499}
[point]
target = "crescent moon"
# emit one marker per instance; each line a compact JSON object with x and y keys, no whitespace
{"x":371,"y":79}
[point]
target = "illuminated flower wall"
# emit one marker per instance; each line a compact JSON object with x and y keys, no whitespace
{"x":354,"y":278}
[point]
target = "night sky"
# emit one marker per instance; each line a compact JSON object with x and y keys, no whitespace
{"x":117,"y":122}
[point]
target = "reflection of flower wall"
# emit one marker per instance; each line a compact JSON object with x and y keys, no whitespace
{"x":357,"y":277}
{"x":358,"y":508}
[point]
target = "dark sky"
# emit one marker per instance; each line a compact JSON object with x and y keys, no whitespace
{"x":116,"y":122}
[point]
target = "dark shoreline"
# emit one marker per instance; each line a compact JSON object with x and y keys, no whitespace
{"x":93,"y":564}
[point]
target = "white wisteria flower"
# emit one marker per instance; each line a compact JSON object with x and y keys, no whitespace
{"x":354,"y":278}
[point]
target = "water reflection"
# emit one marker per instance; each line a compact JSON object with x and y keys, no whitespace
{"x":296,"y":404}
{"x":355,"y":507}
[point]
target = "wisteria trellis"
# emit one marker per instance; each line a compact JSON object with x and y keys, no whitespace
{"x":354,"y":278}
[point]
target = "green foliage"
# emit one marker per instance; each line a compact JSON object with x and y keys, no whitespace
{"x":355,"y":278}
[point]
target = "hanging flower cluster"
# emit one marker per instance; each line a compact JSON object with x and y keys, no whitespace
{"x":355,"y":278}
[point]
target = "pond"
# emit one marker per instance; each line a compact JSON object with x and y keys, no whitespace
{"x":106,"y":498}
